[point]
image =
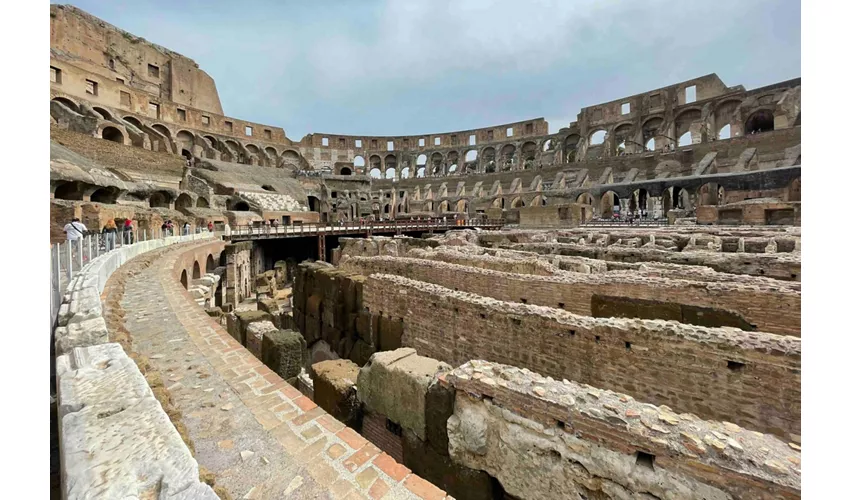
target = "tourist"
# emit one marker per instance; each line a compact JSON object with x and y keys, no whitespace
{"x":128,"y":231}
{"x":169,"y":227}
{"x":75,"y":229}
{"x":110,"y":230}
{"x":210,"y":226}
{"x":187,"y":229}
{"x":163,"y":229}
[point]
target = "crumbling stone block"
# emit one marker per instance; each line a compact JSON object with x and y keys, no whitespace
{"x":245,"y":318}
{"x":284,"y":352}
{"x":254,"y":336}
{"x":334,"y":389}
{"x":394,"y":383}
{"x":82,"y":334}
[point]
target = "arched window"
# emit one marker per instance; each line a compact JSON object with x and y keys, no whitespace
{"x":760,"y":121}
{"x":725,"y":132}
{"x":598,"y":137}
{"x":375,"y":173}
{"x":684,"y":139}
{"x":196,"y":271}
{"x":345,"y":171}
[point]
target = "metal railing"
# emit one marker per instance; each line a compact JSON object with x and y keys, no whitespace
{"x":625,"y":223}
{"x":69,"y":257}
{"x":317,"y":228}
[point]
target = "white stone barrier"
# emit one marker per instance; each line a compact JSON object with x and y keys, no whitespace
{"x":115,"y":439}
{"x":80,"y":318}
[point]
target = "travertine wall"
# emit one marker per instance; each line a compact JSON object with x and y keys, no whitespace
{"x":749,"y":378}
{"x":543,"y":438}
{"x":775,"y":310}
{"x":239,"y":283}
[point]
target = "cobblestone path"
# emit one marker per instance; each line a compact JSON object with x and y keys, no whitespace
{"x":257,"y":434}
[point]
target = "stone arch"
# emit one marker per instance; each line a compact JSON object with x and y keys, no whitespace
{"x":794,"y":190}
{"x":759,"y":121}
{"x":73,"y":106}
{"x":213,"y":141}
{"x":196,"y":271}
{"x":345,"y":171}
{"x":105,"y":195}
{"x":359,"y":163}
{"x":202,"y":202}
{"x":460,"y":206}
{"x":488,"y":159}
{"x":436,"y":163}
{"x":723,"y":115}
{"x":210,"y":264}
{"x":638,"y":200}
{"x":240,"y":206}
{"x":470,"y":156}
{"x":548,"y":145}
{"x":499,"y":203}
{"x":162,"y":129}
{"x":132,"y":120}
{"x":539,"y":201}
{"x":290,"y":158}
{"x":375,"y":173}
{"x":650,"y":129}
{"x":529,"y":150}
{"x":517,"y":202}
{"x":610,"y":202}
{"x":105,"y":114}
{"x":405,"y":173}
{"x":708,"y":194}
{"x":69,"y":191}
{"x":506,"y":155}
{"x":598,"y":137}
{"x":314,"y":204}
{"x":271,"y":152}
{"x":160,"y":199}
{"x":112,"y":134}
{"x":184,"y":280}
{"x":375,"y":162}
{"x":183,"y":201}
{"x":584,"y":199}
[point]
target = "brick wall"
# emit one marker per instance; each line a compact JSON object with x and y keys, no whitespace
{"x":375,"y":430}
{"x":749,"y":378}
{"x":776,"y":309}
{"x":551,"y":439}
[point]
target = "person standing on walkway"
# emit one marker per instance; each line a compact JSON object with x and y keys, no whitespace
{"x":110,"y":231}
{"x":187,"y":229}
{"x":210,"y":226}
{"x":128,"y":232}
{"x":75,"y":229}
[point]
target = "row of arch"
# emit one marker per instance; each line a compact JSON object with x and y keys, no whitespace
{"x":186,"y":142}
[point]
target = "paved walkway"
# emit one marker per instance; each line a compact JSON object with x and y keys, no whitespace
{"x":257,"y":434}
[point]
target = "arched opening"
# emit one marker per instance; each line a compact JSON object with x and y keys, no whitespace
{"x":436,"y":164}
{"x":213,"y":142}
{"x":184,"y":279}
{"x":105,"y":195}
{"x":638,"y":200}
{"x":452,"y":168}
{"x":460,"y":206}
{"x":405,"y":173}
{"x":598,"y":137}
{"x":112,"y":134}
{"x":684,"y":140}
{"x":420,"y":172}
{"x":794,"y":192}
{"x":760,"y":121}
{"x":183,"y":201}
{"x":359,"y":163}
{"x":621,"y":148}
{"x":390,"y":174}
{"x":160,"y":199}
{"x":548,"y":145}
{"x":196,"y":271}
{"x":708,"y":194}
{"x":538,"y":201}
{"x":471,"y":156}
{"x":375,"y":173}
{"x":507,"y":154}
{"x":650,"y":144}
{"x":210,"y":265}
{"x":345,"y":171}
{"x":69,"y":191}
{"x":271,"y":152}
{"x":517,"y":202}
{"x":68,"y":103}
{"x":162,"y":129}
{"x":499,"y":203}
{"x":387,"y":209}
{"x":314,"y":204}
{"x":725,"y":132}
{"x":584,"y":199}
{"x":681,"y":198}
{"x":571,"y":156}
{"x":375,"y":162}
{"x":202,"y":203}
{"x":241,"y":206}
{"x":488,"y":159}
{"x":290,"y":158}
{"x":185,"y":153}
{"x":106,"y":115}
{"x":133,"y":121}
{"x":610,"y":204}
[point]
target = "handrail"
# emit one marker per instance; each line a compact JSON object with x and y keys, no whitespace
{"x":317,"y":228}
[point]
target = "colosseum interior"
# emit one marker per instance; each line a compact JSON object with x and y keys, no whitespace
{"x":610,"y":310}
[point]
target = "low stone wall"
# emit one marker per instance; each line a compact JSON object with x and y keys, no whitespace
{"x":105,"y":403}
{"x":80,"y":318}
{"x":544,"y":439}
{"x":775,"y":309}
{"x":115,"y":439}
{"x":750,"y":378}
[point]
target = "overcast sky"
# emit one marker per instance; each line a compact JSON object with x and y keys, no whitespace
{"x":407,"y":67}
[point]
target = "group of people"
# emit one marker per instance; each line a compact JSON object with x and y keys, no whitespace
{"x":76,"y":230}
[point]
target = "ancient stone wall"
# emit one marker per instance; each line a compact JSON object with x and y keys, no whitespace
{"x":239,"y":281}
{"x":543,"y":438}
{"x":750,"y":378}
{"x":775,"y":309}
